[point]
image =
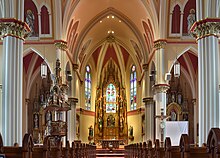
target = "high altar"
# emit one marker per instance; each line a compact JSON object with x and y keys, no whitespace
{"x":111,"y":106}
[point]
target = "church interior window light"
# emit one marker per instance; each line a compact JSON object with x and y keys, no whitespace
{"x":88,"y":86}
{"x":133,"y":88}
{"x":111,"y":99}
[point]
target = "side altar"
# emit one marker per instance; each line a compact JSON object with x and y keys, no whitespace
{"x":111,"y":106}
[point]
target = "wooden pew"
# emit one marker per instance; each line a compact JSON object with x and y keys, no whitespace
{"x":171,"y":151}
{"x":18,"y":152}
{"x":150,"y":149}
{"x":42,"y":151}
{"x":158,"y":151}
{"x":213,"y":143}
{"x":189,"y":151}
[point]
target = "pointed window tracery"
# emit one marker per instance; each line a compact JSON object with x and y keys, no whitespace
{"x":133,"y":88}
{"x":88,"y":86}
{"x":111,"y":99}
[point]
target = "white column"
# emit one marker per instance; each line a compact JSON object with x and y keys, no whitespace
{"x":12,"y":90}
{"x":160,"y":88}
{"x":206,"y":32}
{"x":72,"y":112}
{"x":195,"y":113}
{"x":181,"y":24}
{"x":1,"y":118}
{"x":26,"y":116}
{"x":149,"y":118}
{"x":14,"y":32}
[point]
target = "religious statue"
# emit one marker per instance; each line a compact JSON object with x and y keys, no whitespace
{"x":36,"y":121}
{"x":173,"y":115}
{"x":91,"y":131}
{"x":121,"y":123}
{"x":90,"y":137}
{"x":191,"y":19}
{"x":131,"y":137}
{"x":30,"y":21}
{"x":131,"y":131}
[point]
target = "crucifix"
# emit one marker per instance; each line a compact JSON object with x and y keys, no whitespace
{"x":162,"y":118}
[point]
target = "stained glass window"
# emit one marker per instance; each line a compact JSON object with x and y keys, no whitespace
{"x":88,"y":85}
{"x":133,"y":90}
{"x":111,"y":99}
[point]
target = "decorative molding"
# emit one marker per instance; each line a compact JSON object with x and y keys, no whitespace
{"x":75,"y":66}
{"x":86,"y":112}
{"x":110,"y":38}
{"x":161,"y":88}
{"x":0,"y":86}
{"x":204,"y":28}
{"x":145,"y":67}
{"x":13,"y":27}
{"x":60,"y":44}
{"x":160,"y":44}
{"x":73,"y":101}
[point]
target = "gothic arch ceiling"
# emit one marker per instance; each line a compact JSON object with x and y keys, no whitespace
{"x":95,"y":19}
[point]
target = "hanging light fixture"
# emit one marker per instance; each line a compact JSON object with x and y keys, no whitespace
{"x":177,"y":69}
{"x":43,"y":70}
{"x":43,"y":67}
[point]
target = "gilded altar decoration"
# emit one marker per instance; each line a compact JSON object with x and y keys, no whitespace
{"x":111,"y":106}
{"x":14,"y":27}
{"x":206,"y":27}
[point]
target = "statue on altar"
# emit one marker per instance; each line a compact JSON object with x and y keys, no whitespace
{"x":131,"y":137}
{"x":100,"y":123}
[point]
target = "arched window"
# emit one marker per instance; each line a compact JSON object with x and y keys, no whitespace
{"x":111,"y":99}
{"x":88,"y":85}
{"x":133,"y":86}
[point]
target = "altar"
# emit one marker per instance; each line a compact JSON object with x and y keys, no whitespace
{"x":174,"y":130}
{"x":111,"y":143}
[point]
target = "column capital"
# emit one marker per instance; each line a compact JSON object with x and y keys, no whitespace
{"x":145,"y":67}
{"x":13,"y":27}
{"x":148,"y":100}
{"x":161,"y":88}
{"x":61,"y":44}
{"x":75,"y":66}
{"x":160,"y":43}
{"x":73,"y":100}
{"x":206,"y":27}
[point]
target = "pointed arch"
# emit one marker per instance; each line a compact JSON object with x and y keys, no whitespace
{"x":133,"y":88}
{"x":88,"y":87}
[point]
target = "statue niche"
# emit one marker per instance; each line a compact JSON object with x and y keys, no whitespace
{"x":111,"y":106}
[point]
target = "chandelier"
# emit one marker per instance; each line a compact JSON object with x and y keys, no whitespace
{"x":57,"y":105}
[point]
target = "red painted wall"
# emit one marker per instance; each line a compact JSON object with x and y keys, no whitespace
{"x":176,"y":20}
{"x":45,"y":26}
